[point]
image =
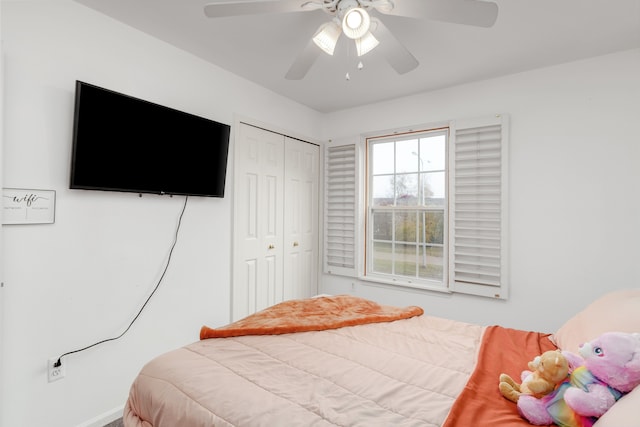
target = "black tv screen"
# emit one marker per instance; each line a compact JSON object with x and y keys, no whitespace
{"x":122,"y":143}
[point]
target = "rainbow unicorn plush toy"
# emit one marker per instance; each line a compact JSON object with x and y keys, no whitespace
{"x":606,"y":369}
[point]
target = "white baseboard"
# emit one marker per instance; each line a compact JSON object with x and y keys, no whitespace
{"x":104,"y":419}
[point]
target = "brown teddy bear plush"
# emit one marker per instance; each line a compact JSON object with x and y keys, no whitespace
{"x":546,"y":371}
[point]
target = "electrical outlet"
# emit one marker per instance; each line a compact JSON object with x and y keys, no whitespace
{"x":55,"y":372}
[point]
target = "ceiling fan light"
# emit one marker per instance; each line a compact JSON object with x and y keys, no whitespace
{"x":366,"y":43}
{"x":355,"y":23}
{"x":327,"y":37}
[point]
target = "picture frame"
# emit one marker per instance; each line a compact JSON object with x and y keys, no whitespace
{"x":28,"y":206}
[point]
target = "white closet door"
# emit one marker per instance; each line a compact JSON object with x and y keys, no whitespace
{"x":258,"y":221}
{"x":301,"y":219}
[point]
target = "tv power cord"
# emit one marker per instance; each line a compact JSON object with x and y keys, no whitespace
{"x":58,"y":362}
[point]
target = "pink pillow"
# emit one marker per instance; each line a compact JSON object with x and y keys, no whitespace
{"x":623,"y":413}
{"x":617,"y":311}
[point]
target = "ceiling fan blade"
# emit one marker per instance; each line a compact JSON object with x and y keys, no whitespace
{"x":468,"y":12}
{"x":225,"y":8}
{"x":395,"y":52}
{"x":303,"y":62}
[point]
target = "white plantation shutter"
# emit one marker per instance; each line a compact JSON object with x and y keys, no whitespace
{"x":340,"y":210}
{"x":478,"y":215}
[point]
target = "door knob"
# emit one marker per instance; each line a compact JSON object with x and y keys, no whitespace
{"x":295,"y":244}
{"x":271,"y":246}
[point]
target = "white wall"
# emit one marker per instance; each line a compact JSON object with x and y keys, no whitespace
{"x":82,"y":279}
{"x":1,"y":238}
{"x":574,"y":186}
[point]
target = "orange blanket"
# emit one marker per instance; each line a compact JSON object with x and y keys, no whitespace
{"x":314,"y":314}
{"x":502,"y":350}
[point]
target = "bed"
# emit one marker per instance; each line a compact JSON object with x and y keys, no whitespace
{"x":346,"y":361}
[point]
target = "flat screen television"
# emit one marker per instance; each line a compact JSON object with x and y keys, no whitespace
{"x":122,"y":143}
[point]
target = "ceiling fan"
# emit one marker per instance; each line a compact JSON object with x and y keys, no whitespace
{"x":352,"y":18}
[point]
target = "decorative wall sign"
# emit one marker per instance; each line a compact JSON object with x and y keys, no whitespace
{"x":22,"y":206}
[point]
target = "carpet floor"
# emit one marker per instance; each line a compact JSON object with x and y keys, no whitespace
{"x":116,"y":423}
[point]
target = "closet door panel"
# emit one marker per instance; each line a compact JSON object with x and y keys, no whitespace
{"x":301,"y":218}
{"x":258,"y":220}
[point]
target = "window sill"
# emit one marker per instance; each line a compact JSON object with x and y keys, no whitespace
{"x":396,"y":283}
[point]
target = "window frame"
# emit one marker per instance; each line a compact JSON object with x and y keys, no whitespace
{"x":369,"y":239}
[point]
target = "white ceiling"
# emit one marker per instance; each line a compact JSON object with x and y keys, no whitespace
{"x":528,"y":34}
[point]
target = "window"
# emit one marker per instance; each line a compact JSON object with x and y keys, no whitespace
{"x":423,"y":209}
{"x":407,"y":208}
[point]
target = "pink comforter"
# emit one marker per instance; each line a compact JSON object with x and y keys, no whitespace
{"x":403,"y":373}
